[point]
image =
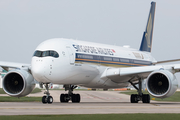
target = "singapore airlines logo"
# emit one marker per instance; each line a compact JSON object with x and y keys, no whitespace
{"x":94,"y":50}
{"x":149,"y":31}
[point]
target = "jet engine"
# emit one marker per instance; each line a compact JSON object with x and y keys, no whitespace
{"x":161,"y":84}
{"x":18,"y":83}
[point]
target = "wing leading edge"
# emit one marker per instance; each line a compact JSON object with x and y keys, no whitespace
{"x":120,"y":75}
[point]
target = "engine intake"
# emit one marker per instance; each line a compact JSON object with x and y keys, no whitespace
{"x":18,"y":83}
{"x":158,"y":83}
{"x":161,"y":84}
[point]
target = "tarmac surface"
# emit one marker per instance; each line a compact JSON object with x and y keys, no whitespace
{"x":92,"y":102}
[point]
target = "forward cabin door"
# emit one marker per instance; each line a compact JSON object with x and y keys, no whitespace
{"x":71,"y":55}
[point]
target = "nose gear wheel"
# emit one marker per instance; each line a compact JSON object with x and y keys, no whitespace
{"x":47,"y":99}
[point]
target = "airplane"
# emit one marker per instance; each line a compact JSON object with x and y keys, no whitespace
{"x":75,"y":63}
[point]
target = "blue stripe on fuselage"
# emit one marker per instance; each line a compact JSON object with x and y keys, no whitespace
{"x":110,"y":60}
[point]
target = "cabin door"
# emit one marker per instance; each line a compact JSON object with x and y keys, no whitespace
{"x":71,"y":55}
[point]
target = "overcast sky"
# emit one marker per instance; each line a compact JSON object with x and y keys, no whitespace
{"x":26,"y":23}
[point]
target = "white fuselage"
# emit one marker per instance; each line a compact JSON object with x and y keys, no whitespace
{"x":82,"y":63}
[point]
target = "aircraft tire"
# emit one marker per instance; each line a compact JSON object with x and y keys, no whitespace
{"x":66,"y":96}
{"x":73,"y":98}
{"x":50,"y":100}
{"x":62,"y":98}
{"x":44,"y":101}
{"x":76,"y":98}
{"x":146,"y":98}
{"x":134,"y":98}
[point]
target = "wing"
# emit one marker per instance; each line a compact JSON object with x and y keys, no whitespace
{"x":167,"y":61}
{"x":11,"y":65}
{"x":120,"y":75}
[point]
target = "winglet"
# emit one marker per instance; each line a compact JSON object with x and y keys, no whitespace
{"x":146,"y":43}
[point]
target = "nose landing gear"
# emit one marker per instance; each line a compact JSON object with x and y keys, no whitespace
{"x":47,"y":99}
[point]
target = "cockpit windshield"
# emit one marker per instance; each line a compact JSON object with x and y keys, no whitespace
{"x":51,"y":53}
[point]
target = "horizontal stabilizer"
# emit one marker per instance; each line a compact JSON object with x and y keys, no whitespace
{"x":167,"y":61}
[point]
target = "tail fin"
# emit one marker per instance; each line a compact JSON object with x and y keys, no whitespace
{"x":146,"y":43}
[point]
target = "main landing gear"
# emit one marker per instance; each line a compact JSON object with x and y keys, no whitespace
{"x":47,"y":99}
{"x":145,"y":98}
{"x":75,"y":98}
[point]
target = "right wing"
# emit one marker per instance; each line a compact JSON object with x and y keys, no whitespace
{"x":120,"y":75}
{"x":11,"y":65}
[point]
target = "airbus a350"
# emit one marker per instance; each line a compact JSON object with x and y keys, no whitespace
{"x":75,"y":63}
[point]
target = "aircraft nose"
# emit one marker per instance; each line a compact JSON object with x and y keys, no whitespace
{"x":37,"y":70}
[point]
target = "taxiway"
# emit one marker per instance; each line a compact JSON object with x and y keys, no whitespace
{"x":92,"y":102}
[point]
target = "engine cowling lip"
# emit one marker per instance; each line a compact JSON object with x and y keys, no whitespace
{"x":164,"y":72}
{"x":19,"y":73}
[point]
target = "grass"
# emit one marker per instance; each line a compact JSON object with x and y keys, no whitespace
{"x":139,"y":116}
{"x":2,"y":91}
{"x":173,"y":98}
{"x":36,"y":90}
{"x":21,"y":99}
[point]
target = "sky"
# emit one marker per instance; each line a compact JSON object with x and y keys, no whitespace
{"x":24,"y":24}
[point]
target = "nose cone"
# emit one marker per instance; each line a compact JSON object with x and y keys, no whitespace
{"x":37,"y":69}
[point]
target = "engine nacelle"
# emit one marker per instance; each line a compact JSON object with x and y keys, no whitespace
{"x":18,"y":83}
{"x":161,"y":84}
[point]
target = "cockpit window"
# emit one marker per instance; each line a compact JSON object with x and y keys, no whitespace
{"x":37,"y":53}
{"x":46,"y":53}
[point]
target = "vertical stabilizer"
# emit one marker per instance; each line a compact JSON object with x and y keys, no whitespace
{"x":146,"y":43}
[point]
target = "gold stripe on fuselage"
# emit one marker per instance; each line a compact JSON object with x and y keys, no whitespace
{"x":108,"y":63}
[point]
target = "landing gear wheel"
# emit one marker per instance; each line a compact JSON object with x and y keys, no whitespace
{"x":76,"y":98}
{"x":47,"y":99}
{"x":146,"y":98}
{"x":44,"y":101}
{"x":50,"y":100}
{"x":134,"y":98}
{"x":64,"y":98}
